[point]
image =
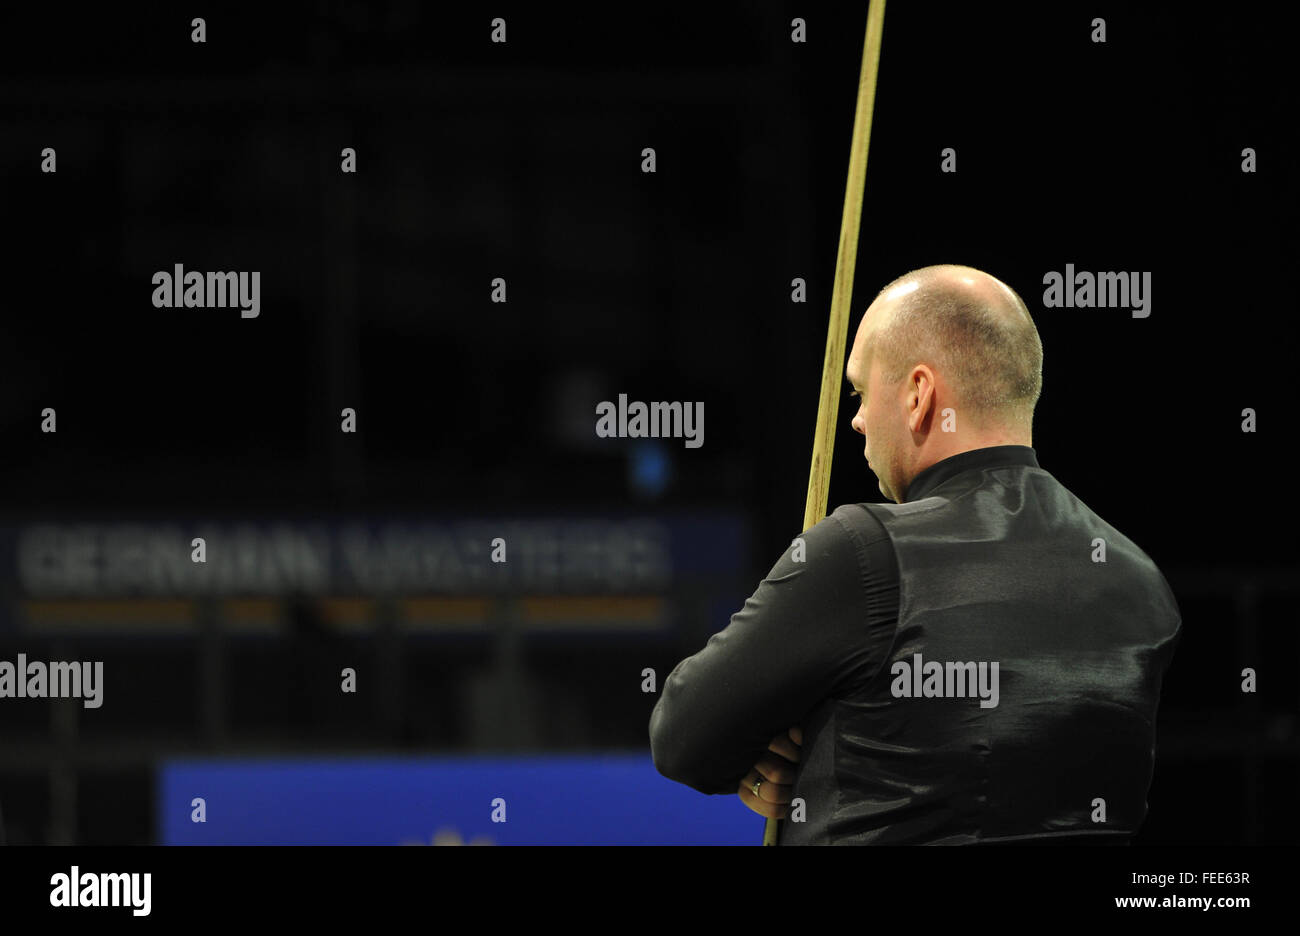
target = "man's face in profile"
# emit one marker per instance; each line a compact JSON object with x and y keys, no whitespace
{"x":876,"y":416}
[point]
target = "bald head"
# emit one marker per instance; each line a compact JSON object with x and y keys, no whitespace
{"x":947,"y":359}
{"x":971,"y":327}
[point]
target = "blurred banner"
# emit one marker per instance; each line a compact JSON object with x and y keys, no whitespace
{"x":371,"y":555}
{"x":141,"y":578}
{"x":545,"y":800}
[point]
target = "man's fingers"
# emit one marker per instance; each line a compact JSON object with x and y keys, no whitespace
{"x":760,"y":803}
{"x":769,"y":791}
{"x":776,"y":770}
{"x":783,"y":745}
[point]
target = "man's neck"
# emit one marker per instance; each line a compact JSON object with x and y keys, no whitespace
{"x":957,"y":446}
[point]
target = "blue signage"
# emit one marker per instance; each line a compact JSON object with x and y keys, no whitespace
{"x":543,"y":800}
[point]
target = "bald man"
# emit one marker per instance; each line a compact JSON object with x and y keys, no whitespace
{"x":977,"y":660}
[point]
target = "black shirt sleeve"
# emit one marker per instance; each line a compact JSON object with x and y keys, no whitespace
{"x":821,"y":622}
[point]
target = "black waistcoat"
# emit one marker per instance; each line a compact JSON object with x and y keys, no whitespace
{"x":1000,"y":565}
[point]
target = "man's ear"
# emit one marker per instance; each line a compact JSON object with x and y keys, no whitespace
{"x":922,"y":388}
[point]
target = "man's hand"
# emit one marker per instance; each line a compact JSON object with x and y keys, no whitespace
{"x":776,"y":770}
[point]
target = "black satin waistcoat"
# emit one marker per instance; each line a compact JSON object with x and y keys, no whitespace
{"x":1000,"y":565}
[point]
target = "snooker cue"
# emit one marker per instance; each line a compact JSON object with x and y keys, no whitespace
{"x":819,"y":476}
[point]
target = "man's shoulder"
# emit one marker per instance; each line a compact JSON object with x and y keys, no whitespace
{"x":848,"y":531}
{"x":855,"y":538}
{"x":855,"y":523}
{"x":870,"y":518}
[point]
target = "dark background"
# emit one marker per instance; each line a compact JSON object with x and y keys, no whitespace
{"x":478,"y":160}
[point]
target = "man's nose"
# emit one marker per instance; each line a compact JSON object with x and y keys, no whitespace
{"x":857,"y":424}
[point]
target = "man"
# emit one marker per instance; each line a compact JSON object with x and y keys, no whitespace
{"x":979,"y":661}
